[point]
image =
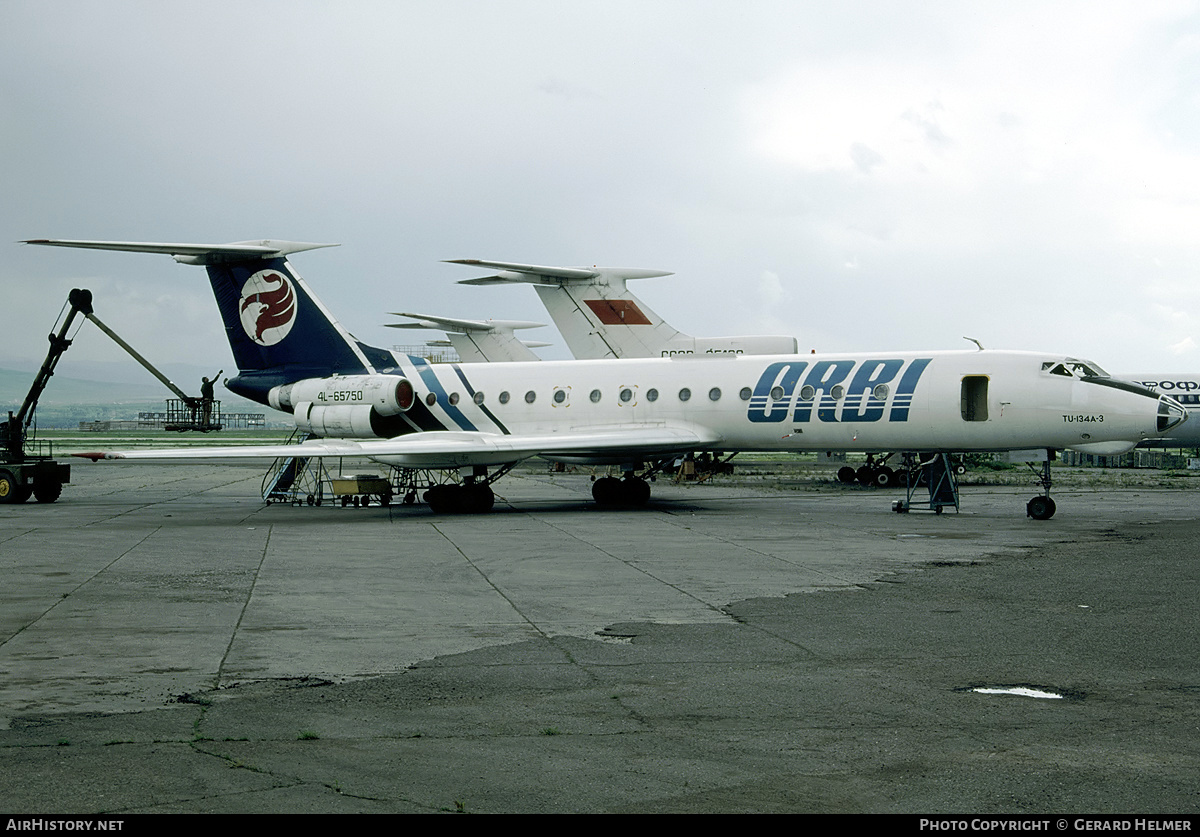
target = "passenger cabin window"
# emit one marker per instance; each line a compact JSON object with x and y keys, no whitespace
{"x":975,"y":398}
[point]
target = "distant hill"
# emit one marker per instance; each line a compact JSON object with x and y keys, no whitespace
{"x":68,"y":401}
{"x":62,"y":390}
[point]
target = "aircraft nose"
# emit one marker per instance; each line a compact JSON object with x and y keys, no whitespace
{"x":1170,"y":413}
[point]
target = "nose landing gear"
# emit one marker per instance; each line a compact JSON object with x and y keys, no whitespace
{"x":1042,"y":507}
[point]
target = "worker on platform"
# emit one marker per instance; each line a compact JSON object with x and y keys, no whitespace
{"x":206,"y":398}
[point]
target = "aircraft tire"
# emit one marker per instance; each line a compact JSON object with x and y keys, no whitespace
{"x":476,"y":499}
{"x":885,"y":477}
{"x":635,"y":492}
{"x":46,"y":492}
{"x":1040,"y":508}
{"x":865,"y":475}
{"x":606,"y":491}
{"x":440,"y":499}
{"x":845,"y":475}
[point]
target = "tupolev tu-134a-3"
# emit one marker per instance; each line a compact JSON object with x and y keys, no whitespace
{"x":478,"y":420}
{"x":598,"y":316}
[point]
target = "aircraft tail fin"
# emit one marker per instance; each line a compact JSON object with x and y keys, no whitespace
{"x":478,"y":341}
{"x":592,"y":307}
{"x":600,"y":317}
{"x":278,"y":330}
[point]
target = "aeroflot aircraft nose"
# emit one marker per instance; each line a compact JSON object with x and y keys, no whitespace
{"x":1170,"y":413}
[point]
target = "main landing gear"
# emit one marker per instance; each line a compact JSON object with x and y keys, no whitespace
{"x":460,"y":498}
{"x":874,"y":473}
{"x":628,"y":491}
{"x":473,"y":495}
{"x":632,"y":489}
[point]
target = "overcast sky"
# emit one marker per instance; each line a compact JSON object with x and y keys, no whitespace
{"x":864,"y":175}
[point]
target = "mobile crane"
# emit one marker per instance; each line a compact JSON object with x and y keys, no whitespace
{"x":22,"y":473}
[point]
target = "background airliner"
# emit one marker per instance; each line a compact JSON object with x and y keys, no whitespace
{"x":599,"y":317}
{"x":481,"y":419}
{"x":476,"y":341}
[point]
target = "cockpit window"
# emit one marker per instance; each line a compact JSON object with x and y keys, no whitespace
{"x":1072,"y":368}
{"x":1086,"y":369}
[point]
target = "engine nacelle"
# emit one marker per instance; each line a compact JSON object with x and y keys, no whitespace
{"x":387,"y":395}
{"x":343,"y":421}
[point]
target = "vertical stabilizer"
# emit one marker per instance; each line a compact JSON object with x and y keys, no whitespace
{"x":277,"y":329}
{"x":478,"y":341}
{"x":600,"y":317}
{"x":593,"y":308}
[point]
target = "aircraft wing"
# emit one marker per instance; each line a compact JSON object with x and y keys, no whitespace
{"x":446,"y":449}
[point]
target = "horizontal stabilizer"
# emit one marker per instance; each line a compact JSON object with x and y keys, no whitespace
{"x":512,"y":272}
{"x":453,"y":324}
{"x":192,"y":253}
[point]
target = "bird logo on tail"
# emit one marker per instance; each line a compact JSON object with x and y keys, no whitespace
{"x":267,"y":307}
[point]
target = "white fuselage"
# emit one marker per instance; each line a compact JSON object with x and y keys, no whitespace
{"x":949,"y":401}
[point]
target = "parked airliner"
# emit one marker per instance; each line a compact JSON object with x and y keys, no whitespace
{"x":481,"y":419}
{"x":478,"y":341}
{"x":1184,"y":388}
{"x":599,"y":317}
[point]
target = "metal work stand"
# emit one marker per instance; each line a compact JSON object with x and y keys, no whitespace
{"x":938,"y":475}
{"x":296,"y":480}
